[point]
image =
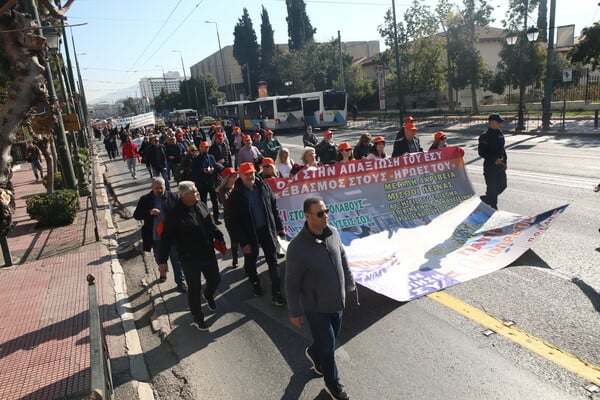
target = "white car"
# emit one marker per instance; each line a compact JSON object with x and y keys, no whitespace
{"x":207,"y":121}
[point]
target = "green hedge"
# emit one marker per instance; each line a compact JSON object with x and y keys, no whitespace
{"x":59,"y":184}
{"x":55,"y":209}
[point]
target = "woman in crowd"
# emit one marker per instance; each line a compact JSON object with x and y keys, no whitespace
{"x":184,"y":169}
{"x":229,"y":176}
{"x":309,"y":138}
{"x":284,"y":164}
{"x":378,"y":150}
{"x":267,"y":169}
{"x":309,"y":161}
{"x":363,"y":147}
{"x":439,"y":141}
{"x":344,"y":152}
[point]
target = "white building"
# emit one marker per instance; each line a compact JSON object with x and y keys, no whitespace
{"x":151,"y":87}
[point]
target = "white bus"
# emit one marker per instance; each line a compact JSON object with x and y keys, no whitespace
{"x":185,"y":116}
{"x":232,"y":111}
{"x":274,"y":113}
{"x":325,"y":109}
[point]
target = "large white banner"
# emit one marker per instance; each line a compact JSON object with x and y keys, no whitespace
{"x":137,"y":121}
{"x":410,"y":224}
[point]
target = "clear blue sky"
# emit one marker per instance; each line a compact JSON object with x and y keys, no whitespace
{"x":125,"y":40}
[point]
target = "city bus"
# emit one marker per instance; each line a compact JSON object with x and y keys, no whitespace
{"x":231,"y":111}
{"x":325,"y":109}
{"x":274,"y":113}
{"x":186,"y":116}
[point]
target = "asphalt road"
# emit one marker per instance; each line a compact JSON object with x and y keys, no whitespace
{"x":416,"y":350}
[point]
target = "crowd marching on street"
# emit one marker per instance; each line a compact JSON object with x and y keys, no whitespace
{"x":231,"y":168}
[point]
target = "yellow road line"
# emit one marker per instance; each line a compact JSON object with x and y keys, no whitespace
{"x":558,"y":356}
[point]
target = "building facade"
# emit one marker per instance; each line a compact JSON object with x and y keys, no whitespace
{"x":152,"y":87}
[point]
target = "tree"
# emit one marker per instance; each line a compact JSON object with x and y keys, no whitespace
{"x":130,"y":106}
{"x":24,"y":64}
{"x":587,"y":51}
{"x":445,"y":16}
{"x":300,"y":31}
{"x":267,"y":48}
{"x":542,"y":20}
{"x":246,"y":51}
{"x":358,"y":86}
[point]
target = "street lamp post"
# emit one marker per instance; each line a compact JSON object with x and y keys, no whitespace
{"x":187,"y":87}
{"x":164,"y":78}
{"x":511,"y":39}
{"x":227,"y":82}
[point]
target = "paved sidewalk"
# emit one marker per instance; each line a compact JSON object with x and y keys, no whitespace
{"x":44,"y":335}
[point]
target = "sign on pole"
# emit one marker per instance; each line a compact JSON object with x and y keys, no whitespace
{"x":567,"y":75}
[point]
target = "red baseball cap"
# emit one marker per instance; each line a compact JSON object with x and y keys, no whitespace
{"x":228,"y":171}
{"x":379,"y":139}
{"x":220,"y":135}
{"x":204,"y":144}
{"x":247,"y":168}
{"x":267,"y":161}
{"x":410,"y":127}
{"x":344,"y":146}
{"x":409,"y":119}
{"x":439,"y":135}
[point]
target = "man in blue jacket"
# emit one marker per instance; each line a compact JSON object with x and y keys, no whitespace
{"x":317,"y":278}
{"x":257,"y":223}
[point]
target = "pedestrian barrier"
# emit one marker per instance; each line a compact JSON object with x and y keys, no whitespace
{"x":92,"y":197}
{"x":101,"y":385}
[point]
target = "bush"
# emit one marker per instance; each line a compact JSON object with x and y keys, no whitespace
{"x":59,"y":184}
{"x":55,"y":209}
{"x":85,"y":159}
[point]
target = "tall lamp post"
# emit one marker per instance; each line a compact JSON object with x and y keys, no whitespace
{"x":164,"y":78}
{"x":187,"y":88}
{"x":547,"y":106}
{"x":227,"y":81}
{"x":511,"y":39}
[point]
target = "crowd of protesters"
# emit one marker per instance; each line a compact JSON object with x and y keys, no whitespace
{"x":232,"y":168}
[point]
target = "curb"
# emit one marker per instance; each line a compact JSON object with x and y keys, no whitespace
{"x":137,"y":365}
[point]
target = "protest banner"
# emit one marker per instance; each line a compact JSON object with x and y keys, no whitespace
{"x":410,"y":224}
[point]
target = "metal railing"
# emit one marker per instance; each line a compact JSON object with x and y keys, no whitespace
{"x":101,"y":385}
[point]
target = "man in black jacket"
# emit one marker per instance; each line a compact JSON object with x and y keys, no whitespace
{"x":257,"y":222}
{"x":156,"y":156}
{"x":491,"y":149}
{"x":151,"y":209}
{"x":326,"y":149}
{"x":409,"y":143}
{"x":190,"y":228}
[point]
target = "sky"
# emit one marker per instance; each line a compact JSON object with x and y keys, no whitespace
{"x":123,"y":41}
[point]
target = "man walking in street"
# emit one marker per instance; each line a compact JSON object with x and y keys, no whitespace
{"x":34,"y":156}
{"x":203,"y":171}
{"x":151,"y":209}
{"x":189,"y":226}
{"x":316,"y":281}
{"x":257,"y":223}
{"x":491,"y":149}
{"x":156,"y":156}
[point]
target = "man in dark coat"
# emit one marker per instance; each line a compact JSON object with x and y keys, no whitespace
{"x":156,"y":156}
{"x":189,"y":227}
{"x":400,"y":134}
{"x":151,"y":209}
{"x":326,"y":149}
{"x":257,"y":222}
{"x":491,"y":149}
{"x":409,"y":143}
{"x":204,"y":168}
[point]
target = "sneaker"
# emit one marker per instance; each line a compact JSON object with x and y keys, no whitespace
{"x":217,"y":222}
{"x":257,"y":290}
{"x":210,"y":301}
{"x":278,"y":300}
{"x":181,"y":287}
{"x":200,"y":325}
{"x":280,"y":255}
{"x":315,"y":366}
{"x":337,"y":392}
{"x":162,"y":279}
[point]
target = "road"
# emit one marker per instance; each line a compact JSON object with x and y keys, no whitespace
{"x":417,"y":350}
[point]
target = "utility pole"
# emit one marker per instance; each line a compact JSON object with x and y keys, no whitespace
{"x":547,"y":106}
{"x":397,"y":54}
{"x":342,"y":82}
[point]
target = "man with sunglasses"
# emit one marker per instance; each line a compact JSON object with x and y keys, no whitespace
{"x":316,"y":281}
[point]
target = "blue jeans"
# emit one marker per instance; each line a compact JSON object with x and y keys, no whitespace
{"x":164,"y":173}
{"x":325,"y":328}
{"x":174,"y":257}
{"x":37,"y":168}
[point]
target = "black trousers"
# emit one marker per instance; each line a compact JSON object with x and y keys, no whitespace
{"x":266,"y":242}
{"x":206,"y":189}
{"x":208,"y":267}
{"x":495,"y":180}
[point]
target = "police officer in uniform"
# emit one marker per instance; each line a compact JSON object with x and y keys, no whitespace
{"x":491,"y":149}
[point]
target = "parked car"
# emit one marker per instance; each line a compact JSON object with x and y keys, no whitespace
{"x":208,"y":120}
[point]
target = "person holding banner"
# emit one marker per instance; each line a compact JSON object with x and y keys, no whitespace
{"x":439,"y":141}
{"x":344,"y":153}
{"x":401,"y":133}
{"x":409,"y":143}
{"x":491,"y":149}
{"x":378,"y":150}
{"x":316,"y":282}
{"x":257,"y":223}
{"x":363,"y":147}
